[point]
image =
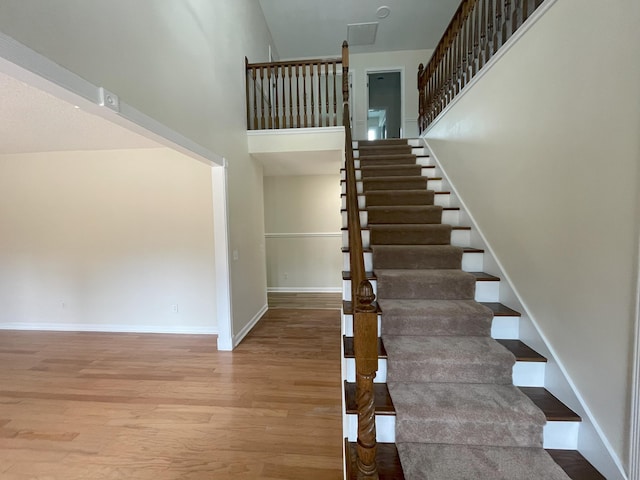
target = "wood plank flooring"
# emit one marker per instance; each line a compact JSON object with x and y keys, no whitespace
{"x":304,"y":300}
{"x":97,"y":406}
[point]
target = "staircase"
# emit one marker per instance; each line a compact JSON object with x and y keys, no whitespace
{"x":458,"y":396}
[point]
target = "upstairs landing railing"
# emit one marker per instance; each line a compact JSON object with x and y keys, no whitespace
{"x":476,"y":32}
{"x":294,"y":94}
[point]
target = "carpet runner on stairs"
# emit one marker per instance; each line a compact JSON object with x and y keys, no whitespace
{"x":458,"y":415}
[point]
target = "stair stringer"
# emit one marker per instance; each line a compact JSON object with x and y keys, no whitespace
{"x":592,"y":443}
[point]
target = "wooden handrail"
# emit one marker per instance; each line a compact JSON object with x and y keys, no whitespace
{"x":292,"y":94}
{"x":365,"y":317}
{"x":478,"y":29}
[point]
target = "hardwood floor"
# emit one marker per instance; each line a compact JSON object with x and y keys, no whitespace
{"x":97,"y":406}
{"x":305,"y":300}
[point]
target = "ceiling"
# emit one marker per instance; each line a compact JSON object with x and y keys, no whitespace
{"x":316,"y":29}
{"x":35,"y":121}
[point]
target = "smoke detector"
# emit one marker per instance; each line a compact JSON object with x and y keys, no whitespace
{"x":383,"y":12}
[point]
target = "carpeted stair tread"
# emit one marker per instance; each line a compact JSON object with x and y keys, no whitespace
{"x":379,"y":149}
{"x":387,"y":159}
{"x":403,"y":214}
{"x":434,"y":317}
{"x":436,"y":284}
{"x":382,"y":141}
{"x":430,"y":234}
{"x":417,"y":256}
{"x":412,"y":182}
{"x":463,"y":462}
{"x":399,"y":197}
{"x":390,"y":170}
{"x":460,"y":359}
{"x":465,"y":414}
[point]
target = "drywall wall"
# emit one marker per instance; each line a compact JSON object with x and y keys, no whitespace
{"x":405,"y":60}
{"x":544,"y":151}
{"x":302,"y":222}
{"x":181,"y":63}
{"x":106,"y":240}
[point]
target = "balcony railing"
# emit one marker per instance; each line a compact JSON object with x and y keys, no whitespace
{"x":476,"y":32}
{"x":294,"y":94}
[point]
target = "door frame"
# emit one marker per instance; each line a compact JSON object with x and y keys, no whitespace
{"x":399,"y":69}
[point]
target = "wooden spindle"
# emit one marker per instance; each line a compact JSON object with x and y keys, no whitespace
{"x":505,"y":24}
{"x":335,"y":95}
{"x":298,"y":124}
{"x":269,"y":101}
{"x":515,"y":16}
{"x":497,"y":26}
{"x":290,"y":97}
{"x":304,"y":95}
{"x":313,"y":115}
{"x":255,"y":99}
{"x":475,"y":55}
{"x":525,"y":10}
{"x":326,"y":93}
{"x":482,"y":57}
{"x":262,"y":121}
{"x":276,"y":71}
{"x":490,"y":39}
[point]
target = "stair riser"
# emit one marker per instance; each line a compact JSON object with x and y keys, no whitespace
{"x":441,"y":199}
{"x":414,"y":142}
{"x":459,"y":238}
{"x":505,"y":328}
{"x":471,"y":262}
{"x":560,"y":435}
{"x":485,"y":291}
{"x":431,"y":185}
{"x":525,"y":374}
{"x":420,"y":160}
{"x":449,"y":217}
{"x":429,"y":172}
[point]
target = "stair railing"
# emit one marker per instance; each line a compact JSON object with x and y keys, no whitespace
{"x":293,"y":94}
{"x":476,"y":32}
{"x":365,"y":317}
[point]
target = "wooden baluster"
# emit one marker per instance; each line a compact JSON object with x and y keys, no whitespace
{"x":482,"y":56}
{"x":326,"y":93}
{"x":255,"y":99}
{"x":320,"y":105}
{"x":313,"y":116}
{"x":262,"y":121}
{"x":335,"y":95}
{"x":269,"y":102}
{"x":490,"y":45}
{"x":515,"y":16}
{"x":476,"y":40}
{"x":276,"y":72}
{"x":366,"y":350}
{"x":304,"y":94}
{"x":505,"y":24}
{"x":298,"y":124}
{"x":290,"y":98}
{"x":469,"y":22}
{"x":497,"y":26}
{"x":525,"y":10}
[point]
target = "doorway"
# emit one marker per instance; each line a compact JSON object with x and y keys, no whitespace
{"x":384,"y":113}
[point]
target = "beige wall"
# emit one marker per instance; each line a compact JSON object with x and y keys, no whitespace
{"x":181,"y":63}
{"x":106,"y":240}
{"x":408,"y":60}
{"x":302,"y":221}
{"x":544,"y":150}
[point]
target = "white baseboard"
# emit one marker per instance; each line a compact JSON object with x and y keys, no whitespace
{"x":237,"y":338}
{"x":304,"y":289}
{"x":109,"y":328}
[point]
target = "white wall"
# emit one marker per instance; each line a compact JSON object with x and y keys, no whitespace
{"x":302,"y":221}
{"x":106,"y":240}
{"x":408,"y":60}
{"x":544,"y":150}
{"x":181,"y":63}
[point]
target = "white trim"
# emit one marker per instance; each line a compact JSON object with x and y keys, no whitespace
{"x":24,"y":64}
{"x":304,"y":289}
{"x":634,"y":441}
{"x":221,"y":251}
{"x":303,"y":235}
{"x":541,"y":10}
{"x":237,"y":338}
{"x":295,"y":131}
{"x":109,"y":328}
{"x":401,"y":70}
{"x":613,"y":459}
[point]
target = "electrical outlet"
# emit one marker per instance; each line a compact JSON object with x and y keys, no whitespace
{"x":174,"y":308}
{"x":235,"y":254}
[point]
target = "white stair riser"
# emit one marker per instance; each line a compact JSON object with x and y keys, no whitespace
{"x":431,"y":185}
{"x":459,"y":238}
{"x":449,"y":217}
{"x":442,"y":199}
{"x":525,"y":374}
{"x":561,"y":435}
{"x":556,"y":435}
{"x":506,"y":328}
{"x":471,"y":261}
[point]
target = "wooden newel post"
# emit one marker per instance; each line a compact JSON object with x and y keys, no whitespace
{"x":366,"y":353}
{"x":345,"y":72}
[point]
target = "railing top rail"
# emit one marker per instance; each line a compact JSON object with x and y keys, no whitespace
{"x":312,"y":61}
